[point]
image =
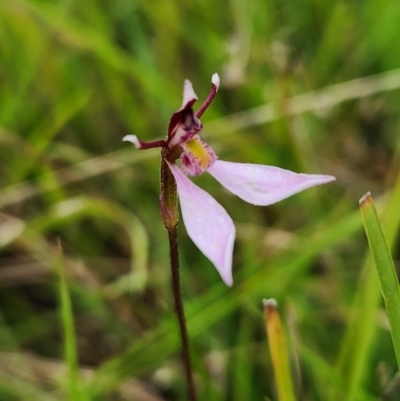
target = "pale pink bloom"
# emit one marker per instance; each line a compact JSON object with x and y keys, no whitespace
{"x":206,"y":221}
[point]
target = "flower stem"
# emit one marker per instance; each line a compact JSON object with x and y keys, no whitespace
{"x":170,"y":218}
{"x":180,"y":313}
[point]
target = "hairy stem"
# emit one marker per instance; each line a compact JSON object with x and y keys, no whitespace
{"x":180,"y":313}
{"x":170,"y":218}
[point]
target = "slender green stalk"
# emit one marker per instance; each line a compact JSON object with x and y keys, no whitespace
{"x":385,"y":268}
{"x":278,"y":349}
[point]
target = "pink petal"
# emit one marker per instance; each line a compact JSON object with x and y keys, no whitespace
{"x":263,"y":185}
{"x":207,"y":223}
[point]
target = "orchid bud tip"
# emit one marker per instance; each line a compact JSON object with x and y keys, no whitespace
{"x":215,"y":80}
{"x":132,"y":138}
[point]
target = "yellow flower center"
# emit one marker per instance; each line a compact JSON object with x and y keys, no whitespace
{"x":199,"y":152}
{"x":197,"y":156}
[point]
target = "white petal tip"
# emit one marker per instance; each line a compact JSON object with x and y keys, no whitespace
{"x":215,"y":80}
{"x":188,"y":93}
{"x":330,"y":178}
{"x":365,"y":198}
{"x":270,"y":303}
{"x":228,"y":281}
{"x":133,"y":139}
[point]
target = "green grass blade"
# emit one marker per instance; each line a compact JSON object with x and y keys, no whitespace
{"x":385,"y":268}
{"x":70,"y":350}
{"x":326,"y":376}
{"x":42,"y":135}
{"x":278,"y":350}
{"x":357,"y":345}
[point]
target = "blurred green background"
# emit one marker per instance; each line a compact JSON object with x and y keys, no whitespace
{"x":306,"y":85}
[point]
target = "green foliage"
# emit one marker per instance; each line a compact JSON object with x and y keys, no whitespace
{"x":74,"y":389}
{"x":77,"y":76}
{"x":385,"y":268}
{"x":279,"y":351}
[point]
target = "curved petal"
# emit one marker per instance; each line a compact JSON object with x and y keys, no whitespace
{"x":189,"y":97}
{"x":207,"y":224}
{"x":263,"y":185}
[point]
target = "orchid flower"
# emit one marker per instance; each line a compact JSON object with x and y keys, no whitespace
{"x":207,"y":223}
